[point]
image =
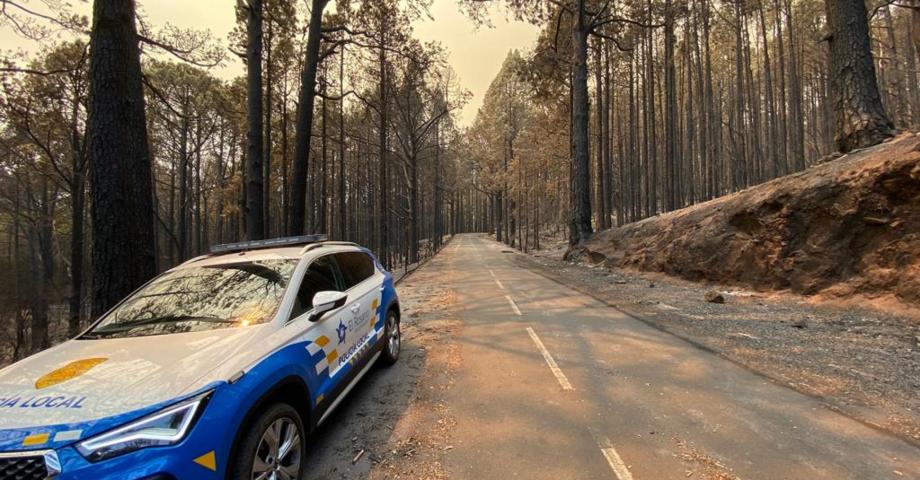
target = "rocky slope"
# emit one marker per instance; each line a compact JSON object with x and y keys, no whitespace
{"x":847,"y":227}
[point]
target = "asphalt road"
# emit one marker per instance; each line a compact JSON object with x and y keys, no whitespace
{"x":554,"y":384}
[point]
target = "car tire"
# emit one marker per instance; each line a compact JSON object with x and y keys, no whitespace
{"x":392,"y":339}
{"x":261,"y":445}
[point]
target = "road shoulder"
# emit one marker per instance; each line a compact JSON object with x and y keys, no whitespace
{"x":395,"y":423}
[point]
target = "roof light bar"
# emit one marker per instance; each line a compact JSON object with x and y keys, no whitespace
{"x":269,"y":243}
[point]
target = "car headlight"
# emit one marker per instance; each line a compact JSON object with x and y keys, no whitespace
{"x":165,"y":427}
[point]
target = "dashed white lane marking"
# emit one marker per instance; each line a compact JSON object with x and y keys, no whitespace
{"x":517,"y":311}
{"x":616,"y":463}
{"x":498,"y":282}
{"x":553,"y":366}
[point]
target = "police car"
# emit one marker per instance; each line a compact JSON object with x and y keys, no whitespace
{"x":216,"y":369}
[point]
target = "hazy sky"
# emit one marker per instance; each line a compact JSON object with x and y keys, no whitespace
{"x":476,"y":55}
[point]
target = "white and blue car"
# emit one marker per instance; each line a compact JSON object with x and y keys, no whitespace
{"x":216,"y":369}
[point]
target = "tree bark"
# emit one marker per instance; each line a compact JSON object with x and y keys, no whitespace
{"x":342,"y":219}
{"x":859,"y":117}
{"x":383,"y":232}
{"x":267,"y":137}
{"x":738,"y":130}
{"x":797,"y":122}
{"x":182,"y":223}
{"x":581,"y":191}
{"x":322,"y":220}
{"x":600,"y":193}
{"x":772,"y":137}
{"x":124,"y":245}
{"x":304,"y":127}
{"x":77,"y":213}
{"x":255,"y":213}
{"x":913,"y":33}
{"x":672,"y":152}
{"x":895,"y":98}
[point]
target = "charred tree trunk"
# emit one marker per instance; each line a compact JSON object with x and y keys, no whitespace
{"x":772,"y":165}
{"x":322,"y":220}
{"x":267,"y":137}
{"x":383,"y":231}
{"x":671,"y":160}
{"x":859,"y":117}
{"x":783,"y":124}
{"x":438,"y":192}
{"x":255,"y":213}
{"x":413,"y":209}
{"x":304,"y":128}
{"x":342,"y":217}
{"x":77,"y":213}
{"x":581,"y":191}
{"x":797,"y":121}
{"x":600,"y":152}
{"x":913,"y":24}
{"x":124,"y":245}
{"x":182,"y":222}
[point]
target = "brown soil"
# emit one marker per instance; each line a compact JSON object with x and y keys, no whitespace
{"x":847,"y":227}
{"x":709,"y":467}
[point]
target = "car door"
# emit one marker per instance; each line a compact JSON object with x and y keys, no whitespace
{"x":325,"y":336}
{"x":362,"y":283}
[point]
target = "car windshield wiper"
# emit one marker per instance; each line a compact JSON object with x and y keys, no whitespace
{"x":95,"y":334}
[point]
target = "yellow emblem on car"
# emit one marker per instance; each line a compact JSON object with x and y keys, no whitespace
{"x":208,"y":460}
{"x":67,"y":372}
{"x":35,"y":439}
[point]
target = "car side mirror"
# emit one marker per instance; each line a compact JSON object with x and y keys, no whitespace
{"x":326,"y":301}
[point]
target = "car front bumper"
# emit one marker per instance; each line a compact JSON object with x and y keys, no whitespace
{"x":202,"y":454}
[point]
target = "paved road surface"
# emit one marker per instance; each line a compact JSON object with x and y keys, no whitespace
{"x":554,"y":384}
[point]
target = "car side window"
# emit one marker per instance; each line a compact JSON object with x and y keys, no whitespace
{"x":321,"y":276}
{"x":355,"y":266}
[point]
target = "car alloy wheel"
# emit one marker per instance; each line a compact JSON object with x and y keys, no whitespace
{"x":393,"y":339}
{"x":278,"y":453}
{"x":393,"y":343}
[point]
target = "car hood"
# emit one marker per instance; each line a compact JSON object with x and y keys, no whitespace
{"x":83,"y":380}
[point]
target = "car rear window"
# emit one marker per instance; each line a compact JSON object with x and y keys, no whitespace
{"x":355,"y":266}
{"x":200,"y":298}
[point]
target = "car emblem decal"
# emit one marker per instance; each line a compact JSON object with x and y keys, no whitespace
{"x":67,"y":372}
{"x":208,"y":460}
{"x":36,"y":439}
{"x":342,"y":331}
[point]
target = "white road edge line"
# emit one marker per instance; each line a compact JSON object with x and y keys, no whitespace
{"x":499,"y":283}
{"x":517,"y":311}
{"x":553,"y":366}
{"x":616,"y":463}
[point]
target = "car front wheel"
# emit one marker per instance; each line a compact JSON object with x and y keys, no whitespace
{"x":393,"y":339}
{"x":273,"y":448}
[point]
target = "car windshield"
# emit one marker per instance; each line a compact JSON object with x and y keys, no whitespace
{"x":200,"y":298}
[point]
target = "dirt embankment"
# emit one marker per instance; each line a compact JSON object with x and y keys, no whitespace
{"x":847,"y":227}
